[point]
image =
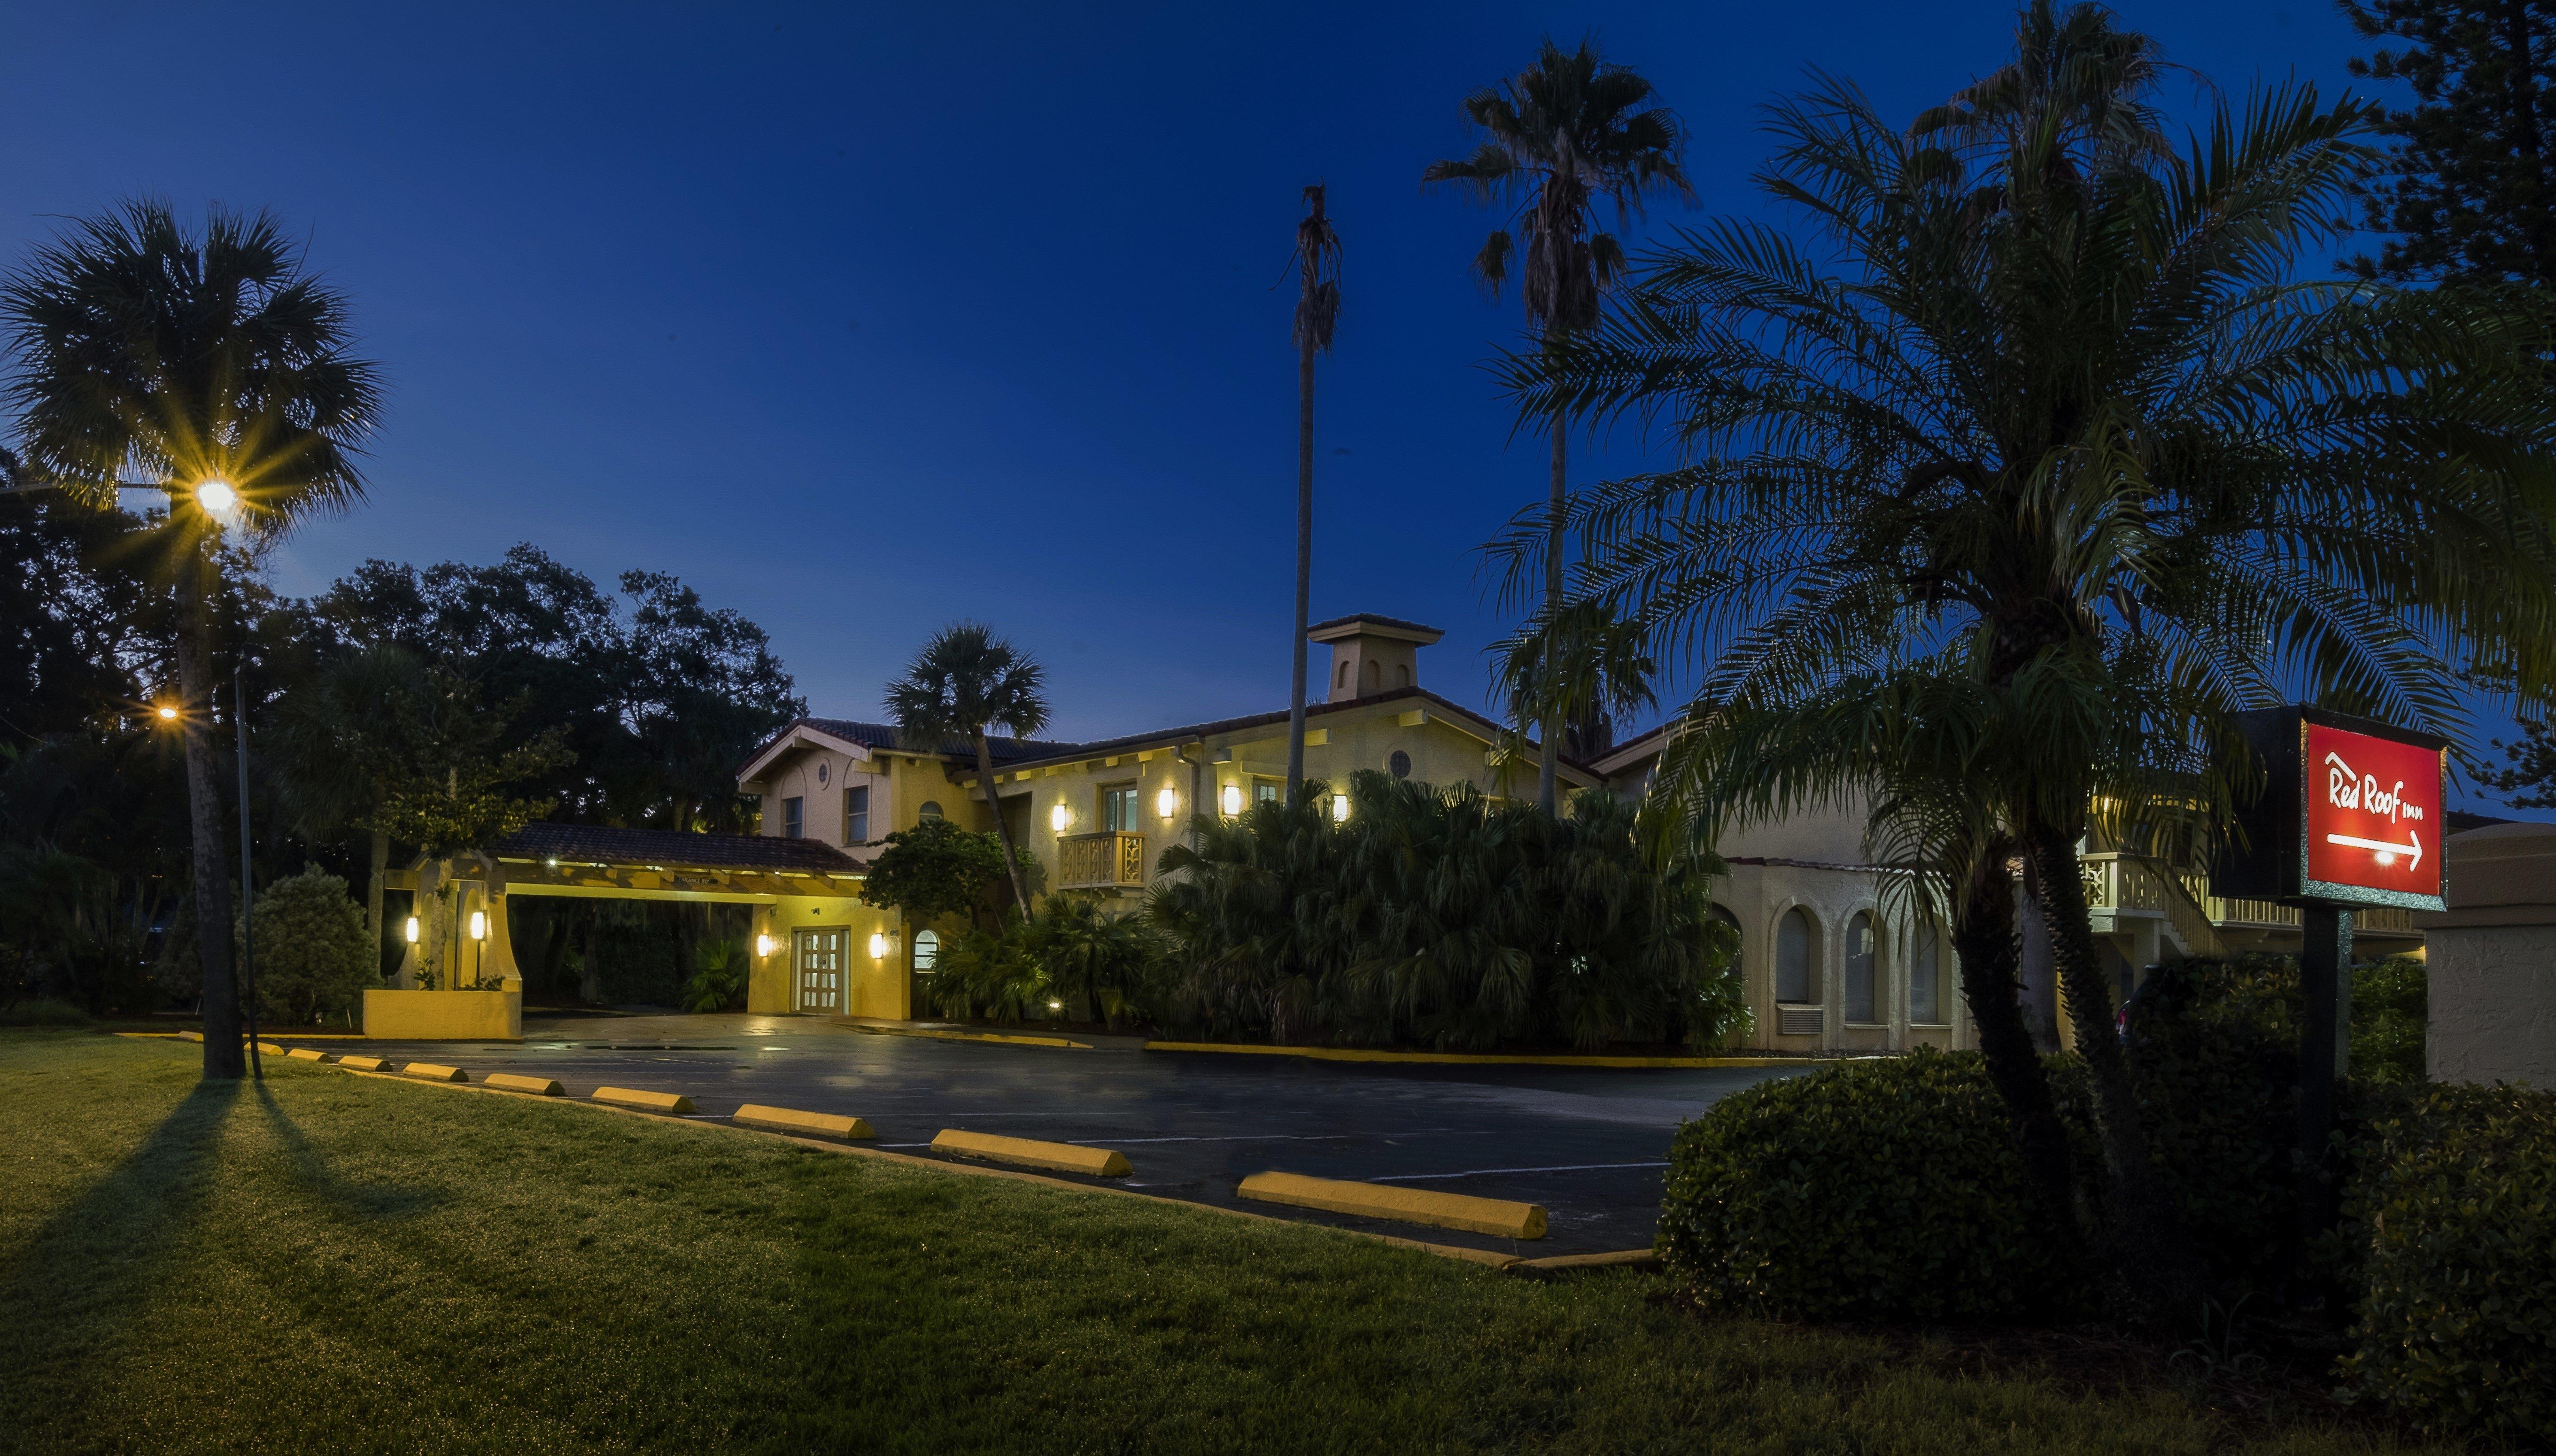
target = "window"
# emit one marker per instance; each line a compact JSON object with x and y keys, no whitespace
{"x":1722,"y":916}
{"x":793,"y":820}
{"x":926,"y":951}
{"x":1863,"y":963}
{"x":1118,"y":808}
{"x":1399,"y":764}
{"x":1797,"y":958}
{"x":856,"y":815}
{"x":1266,"y":791}
{"x":1926,"y":980}
{"x":1374,"y":674}
{"x":1403,"y":671}
{"x":1342,"y":677}
{"x":931,"y":810}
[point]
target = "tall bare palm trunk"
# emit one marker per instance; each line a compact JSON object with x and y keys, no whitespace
{"x":2149,"y":1246}
{"x":1548,"y":769}
{"x":1003,"y":828}
{"x":222,"y":1054}
{"x":1984,"y":938}
{"x":381,"y":864}
{"x":1303,"y":564}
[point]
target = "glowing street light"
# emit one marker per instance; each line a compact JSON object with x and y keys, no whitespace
{"x":217,"y":499}
{"x":167,"y":714}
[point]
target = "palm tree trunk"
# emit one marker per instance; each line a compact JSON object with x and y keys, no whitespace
{"x":222,"y":1055}
{"x":1547,"y":771}
{"x":1304,"y":564}
{"x":2149,"y":1246}
{"x":1983,"y":937}
{"x":1002,"y":831}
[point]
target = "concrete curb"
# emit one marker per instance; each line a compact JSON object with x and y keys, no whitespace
{"x":433,"y":1072}
{"x":305,"y":1054}
{"x":537,"y":1086}
{"x":360,"y":1063}
{"x":1000,"y":1038}
{"x":1622,"y":1259}
{"x":1495,"y":1215}
{"x":790,"y":1120}
{"x":1475,"y":1059}
{"x":1063,"y":1158}
{"x":646,"y":1102}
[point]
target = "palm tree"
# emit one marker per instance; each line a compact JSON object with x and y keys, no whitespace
{"x":153,"y":356}
{"x":965,"y":684}
{"x":1582,"y":668}
{"x":1559,"y":136}
{"x":1317,"y":303}
{"x":2092,"y":449}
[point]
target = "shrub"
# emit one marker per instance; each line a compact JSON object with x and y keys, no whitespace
{"x":312,"y":955}
{"x":1874,"y":1190}
{"x":42,"y":1011}
{"x":1077,"y":953}
{"x":2390,"y":1009}
{"x":2457,"y":1204}
{"x":718,"y":976}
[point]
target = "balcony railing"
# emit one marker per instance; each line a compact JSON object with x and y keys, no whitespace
{"x":2116,"y":882}
{"x":1111,"y":859}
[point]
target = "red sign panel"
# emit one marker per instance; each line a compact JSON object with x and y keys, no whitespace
{"x":2372,"y":813}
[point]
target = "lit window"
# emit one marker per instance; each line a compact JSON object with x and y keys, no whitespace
{"x":856,"y":815}
{"x":1797,"y":970}
{"x":1863,"y":963}
{"x":926,"y":951}
{"x":1264,"y":792}
{"x":1118,"y":808}
{"x":1926,"y":980}
{"x":793,"y":820}
{"x":930,"y":811}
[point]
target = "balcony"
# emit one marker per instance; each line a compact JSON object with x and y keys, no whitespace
{"x":1112,"y":860}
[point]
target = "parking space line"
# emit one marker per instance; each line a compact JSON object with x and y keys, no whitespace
{"x":1479,"y":1172}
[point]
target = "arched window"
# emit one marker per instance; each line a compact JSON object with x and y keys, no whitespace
{"x":1926,"y":980}
{"x":1863,"y":969}
{"x":1403,"y":671}
{"x":1797,"y":959}
{"x":1343,"y":675}
{"x":931,"y":810}
{"x":926,"y":951}
{"x":1738,"y":967}
{"x":1374,"y":674}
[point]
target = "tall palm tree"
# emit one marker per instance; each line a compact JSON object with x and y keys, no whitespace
{"x":2091,"y":448}
{"x":149,"y":355}
{"x":964,"y":686}
{"x":1559,"y":136}
{"x":1318,"y":305}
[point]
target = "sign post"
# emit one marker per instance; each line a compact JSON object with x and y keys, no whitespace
{"x":2352,"y":813}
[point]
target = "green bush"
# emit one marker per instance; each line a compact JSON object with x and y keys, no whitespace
{"x":718,"y":976}
{"x":1077,"y":957}
{"x":2457,"y":1204}
{"x":1874,"y":1190}
{"x":2390,"y":1009}
{"x":313,"y":958}
{"x":42,"y":1011}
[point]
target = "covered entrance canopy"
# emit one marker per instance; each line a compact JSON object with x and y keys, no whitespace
{"x":816,"y":947}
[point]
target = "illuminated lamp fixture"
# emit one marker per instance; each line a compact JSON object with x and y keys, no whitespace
{"x":878,"y":944}
{"x":167,"y":714}
{"x":479,"y":925}
{"x":1167,"y":803}
{"x":763,"y":945}
{"x":1058,"y":817}
{"x":1055,"y":1006}
{"x":1339,"y":808}
{"x":412,"y":930}
{"x":1232,"y":800}
{"x":217,"y":497}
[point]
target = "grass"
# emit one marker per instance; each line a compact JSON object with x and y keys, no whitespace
{"x":337,"y":1262}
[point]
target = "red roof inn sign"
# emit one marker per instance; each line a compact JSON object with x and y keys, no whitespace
{"x":2352,"y":813}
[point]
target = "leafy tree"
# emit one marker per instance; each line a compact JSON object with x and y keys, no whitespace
{"x":965,"y":684}
{"x":1317,"y":306}
{"x":1560,"y":136}
{"x":2059,"y":445}
{"x":150,"y":355}
{"x":702,"y":688}
{"x":312,"y":955}
{"x":2469,"y":186}
{"x":455,"y":795}
{"x":938,"y":872}
{"x":345,"y":736}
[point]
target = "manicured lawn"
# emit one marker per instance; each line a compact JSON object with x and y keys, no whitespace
{"x":333,"y":1263}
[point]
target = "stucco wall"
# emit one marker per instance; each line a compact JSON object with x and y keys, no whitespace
{"x":2494,"y":1005}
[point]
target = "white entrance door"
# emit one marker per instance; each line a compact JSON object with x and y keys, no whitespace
{"x":821,"y":972}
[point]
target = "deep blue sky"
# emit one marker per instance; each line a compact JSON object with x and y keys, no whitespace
{"x":865,"y":318}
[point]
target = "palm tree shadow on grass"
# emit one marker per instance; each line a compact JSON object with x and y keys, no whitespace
{"x":312,"y":1173}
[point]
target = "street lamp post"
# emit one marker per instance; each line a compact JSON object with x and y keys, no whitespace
{"x":248,"y":926}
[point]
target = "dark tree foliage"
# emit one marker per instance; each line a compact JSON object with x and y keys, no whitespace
{"x":2468,"y":192}
{"x":938,"y":872}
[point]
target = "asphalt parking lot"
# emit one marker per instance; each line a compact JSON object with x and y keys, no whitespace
{"x":1588,"y":1145}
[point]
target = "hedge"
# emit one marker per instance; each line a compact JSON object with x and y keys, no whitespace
{"x":1879,"y":1190}
{"x":2455,"y":1212}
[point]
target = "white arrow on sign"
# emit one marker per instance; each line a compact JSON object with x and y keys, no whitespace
{"x":2382,"y":847}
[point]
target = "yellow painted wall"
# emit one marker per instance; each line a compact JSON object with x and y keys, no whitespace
{"x":873,"y":988}
{"x":443,"y":1015}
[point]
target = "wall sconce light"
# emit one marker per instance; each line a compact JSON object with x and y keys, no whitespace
{"x":1058,"y":817}
{"x":1167,"y":803}
{"x":1339,"y":808}
{"x":479,"y":925}
{"x":412,"y":930}
{"x":1232,"y":799}
{"x":763,"y":945}
{"x":1055,"y":1006}
{"x":878,"y":944}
